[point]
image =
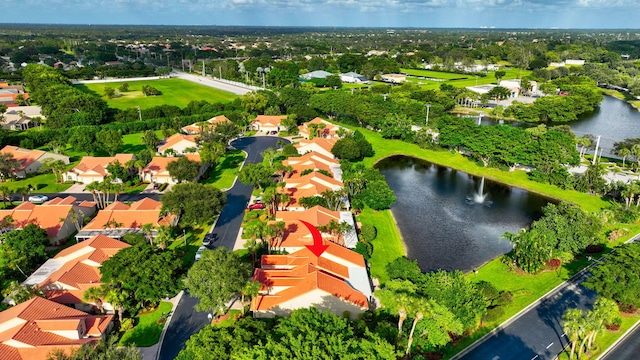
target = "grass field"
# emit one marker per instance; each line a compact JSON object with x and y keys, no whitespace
{"x":176,"y":92}
{"x":226,"y":170}
{"x":387,"y":246}
{"x":435,"y":74}
{"x":469,"y":80}
{"x":147,"y":331}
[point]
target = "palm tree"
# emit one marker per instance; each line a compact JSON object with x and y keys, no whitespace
{"x":23,"y":191}
{"x":117,"y":298}
{"x":605,"y":311}
{"x":251,"y":289}
{"x":163,"y":236}
{"x":94,"y":295}
{"x":6,"y":194}
{"x":624,"y":152}
{"x":572,"y":324}
{"x":635,"y":150}
{"x":76,"y":217}
{"x":147,"y":229}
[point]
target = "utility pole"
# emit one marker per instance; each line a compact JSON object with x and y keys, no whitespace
{"x":427,"y":121}
{"x":203,"y":73}
{"x":595,"y":153}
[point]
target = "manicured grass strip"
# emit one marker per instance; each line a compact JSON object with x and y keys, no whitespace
{"x":147,"y":331}
{"x":385,"y":148}
{"x":176,"y":92}
{"x":435,"y":74}
{"x":132,"y":143}
{"x":226,"y":170}
{"x":43,"y":183}
{"x":387,"y":246}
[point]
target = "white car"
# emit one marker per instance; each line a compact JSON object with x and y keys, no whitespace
{"x":38,"y":198}
{"x":199,"y":252}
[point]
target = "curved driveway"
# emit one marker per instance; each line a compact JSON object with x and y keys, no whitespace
{"x":186,"y":321}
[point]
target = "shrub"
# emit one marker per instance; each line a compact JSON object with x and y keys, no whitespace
{"x":364,"y":248}
{"x":369,"y":232}
{"x":127,"y":324}
{"x":493,"y":314}
{"x":163,"y":187}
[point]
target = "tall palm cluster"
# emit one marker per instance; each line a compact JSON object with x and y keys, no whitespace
{"x":583,"y":327}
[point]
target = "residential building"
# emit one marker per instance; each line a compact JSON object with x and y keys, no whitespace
{"x":35,"y":328}
{"x":60,"y":217}
{"x":156,"y":171}
{"x":9,"y":94}
{"x":393,"y":78}
{"x":318,"y":128}
{"x":210,"y":124}
{"x":118,"y":219}
{"x":320,"y":145}
{"x":267,"y":123}
{"x":313,"y":161}
{"x":318,"y":74}
{"x":65,"y":277}
{"x":20,"y":117}
{"x":94,"y":169}
{"x":296,"y":236}
{"x":336,"y":281}
{"x":179,"y":144}
{"x":312,"y":184}
{"x":355,"y":78}
{"x":31,"y":160}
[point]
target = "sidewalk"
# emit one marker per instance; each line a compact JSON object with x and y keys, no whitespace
{"x":152,"y":352}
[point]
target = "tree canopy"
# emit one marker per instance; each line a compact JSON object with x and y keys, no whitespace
{"x":194,"y":203}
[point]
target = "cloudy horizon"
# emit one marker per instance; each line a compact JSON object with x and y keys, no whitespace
{"x":530,"y":14}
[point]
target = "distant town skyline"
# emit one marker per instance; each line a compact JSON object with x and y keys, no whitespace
{"x":578,"y":14}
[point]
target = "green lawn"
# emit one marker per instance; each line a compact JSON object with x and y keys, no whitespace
{"x":132,"y":143}
{"x":435,"y":74}
{"x":176,"y":92}
{"x":387,"y":246}
{"x":43,"y":183}
{"x":226,"y":170}
{"x":147,"y":330}
{"x":469,"y":80}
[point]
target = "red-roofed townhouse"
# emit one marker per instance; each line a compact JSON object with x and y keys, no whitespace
{"x":65,"y":277}
{"x":267,"y":123}
{"x":197,"y":128}
{"x":318,"y":128}
{"x":313,"y":161}
{"x":94,"y":169}
{"x":320,"y":145}
{"x":156,"y":171}
{"x":118,"y":219}
{"x":337,"y":282}
{"x":35,"y":328}
{"x":312,"y":184}
{"x":60,"y":217}
{"x":31,"y":160}
{"x":179,"y":144}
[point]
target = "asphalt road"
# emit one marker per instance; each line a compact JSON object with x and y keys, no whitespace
{"x":627,"y":349}
{"x":537,"y":333}
{"x":234,"y":88}
{"x":186,"y":321}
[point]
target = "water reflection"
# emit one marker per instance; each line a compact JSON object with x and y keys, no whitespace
{"x":440,"y":227}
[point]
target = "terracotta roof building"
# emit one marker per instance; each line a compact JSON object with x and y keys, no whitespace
{"x":312,"y":184}
{"x":92,"y":168}
{"x":65,"y":277}
{"x":118,"y":219}
{"x":313,"y":161}
{"x":179,"y":144}
{"x":31,"y":160}
{"x":267,"y":123}
{"x":318,"y":128}
{"x":337,"y":282}
{"x":156,"y":170}
{"x":320,"y":145}
{"x":60,"y":217}
{"x":33,"y":329}
{"x":210,"y":124}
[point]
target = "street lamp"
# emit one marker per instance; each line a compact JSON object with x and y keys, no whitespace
{"x":427,"y":121}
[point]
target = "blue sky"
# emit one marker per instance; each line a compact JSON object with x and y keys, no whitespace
{"x":368,"y":13}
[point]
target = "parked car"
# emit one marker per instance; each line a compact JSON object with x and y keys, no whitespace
{"x":273,"y":132}
{"x":38,"y":198}
{"x":256,"y":206}
{"x":209,"y":238}
{"x":199,"y":252}
{"x":156,"y":186}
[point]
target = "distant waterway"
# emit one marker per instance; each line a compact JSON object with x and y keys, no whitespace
{"x":614,"y":121}
{"x":446,"y":221}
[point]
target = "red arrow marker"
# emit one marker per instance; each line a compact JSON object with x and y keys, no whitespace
{"x":318,"y":247}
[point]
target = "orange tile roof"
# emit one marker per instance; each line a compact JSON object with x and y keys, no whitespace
{"x":173,"y":140}
{"x":99,"y":164}
{"x":145,"y":211}
{"x":330,"y":129}
{"x":315,"y":216}
{"x":50,"y":215}
{"x":269,"y":120}
{"x":323,"y":143}
{"x":311,"y":160}
{"x":195,"y":128}
{"x":24,"y":156}
{"x":158,"y":164}
{"x":33,"y":323}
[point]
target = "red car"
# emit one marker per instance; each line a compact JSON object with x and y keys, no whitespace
{"x":256,"y":206}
